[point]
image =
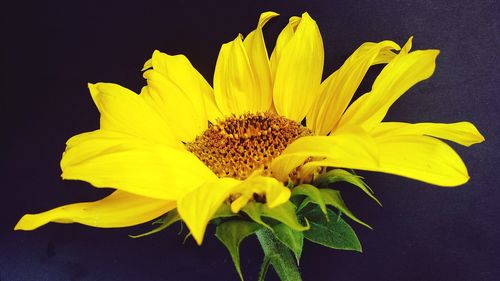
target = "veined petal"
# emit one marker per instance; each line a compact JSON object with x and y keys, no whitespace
{"x":284,"y":37}
{"x":298,"y":71}
{"x":396,"y":78}
{"x":120,"y":209}
{"x":422,"y":158}
{"x":259,"y":62}
{"x":273,"y":190}
{"x":463,"y":133}
{"x":338,"y":90}
{"x":197,"y":207}
{"x":111,"y":159}
{"x":181,"y":72}
{"x":235,"y":84}
{"x":213,"y":111}
{"x":184,"y":112}
{"x":124,"y":111}
{"x":350,"y":149}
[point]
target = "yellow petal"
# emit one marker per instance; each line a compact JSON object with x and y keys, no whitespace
{"x":174,"y":91}
{"x":147,"y":65}
{"x":337,"y":91}
{"x":235,"y":84}
{"x":213,"y":112}
{"x":111,"y":159}
{"x":421,"y":158}
{"x":463,"y":133}
{"x":259,"y":62}
{"x":197,"y":207}
{"x":124,"y":111}
{"x":395,"y":79}
{"x":298,"y":71}
{"x":181,"y":72}
{"x":284,"y":37}
{"x":120,"y":209}
{"x":273,"y":190}
{"x":349,"y":149}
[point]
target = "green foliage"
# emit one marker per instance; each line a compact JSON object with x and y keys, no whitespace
{"x":293,"y":239}
{"x":164,"y":222}
{"x":337,"y":175}
{"x":323,"y":197}
{"x":231,"y":234}
{"x":312,"y":193}
{"x":278,"y":255}
{"x":171,"y":217}
{"x":333,"y":233}
{"x":284,"y":213}
{"x":332,"y":198}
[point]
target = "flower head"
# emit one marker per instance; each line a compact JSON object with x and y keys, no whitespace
{"x":268,"y":123}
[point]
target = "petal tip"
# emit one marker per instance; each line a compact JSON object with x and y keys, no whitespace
{"x":28,"y":222}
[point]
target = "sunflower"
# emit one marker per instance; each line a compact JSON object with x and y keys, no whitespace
{"x":268,"y":124}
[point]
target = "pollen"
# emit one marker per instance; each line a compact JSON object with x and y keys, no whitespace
{"x":239,"y":145}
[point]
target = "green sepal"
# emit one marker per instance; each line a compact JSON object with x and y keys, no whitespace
{"x":293,"y":239}
{"x":337,"y":175}
{"x":312,"y":193}
{"x":284,"y":213}
{"x":231,"y":234}
{"x":334,"y":233}
{"x":325,"y":196}
{"x":164,"y":222}
{"x":333,"y":198}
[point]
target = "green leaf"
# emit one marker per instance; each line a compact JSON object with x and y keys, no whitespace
{"x":231,"y":234}
{"x":337,"y":175}
{"x":284,"y":213}
{"x":312,"y":193}
{"x":165,"y":221}
{"x":333,"y":198}
{"x":294,"y":240}
{"x":323,"y":197}
{"x":333,"y":233}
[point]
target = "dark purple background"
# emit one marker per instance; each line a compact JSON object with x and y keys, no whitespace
{"x":50,"y":51}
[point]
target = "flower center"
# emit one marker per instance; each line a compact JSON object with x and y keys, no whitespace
{"x":237,"y":146}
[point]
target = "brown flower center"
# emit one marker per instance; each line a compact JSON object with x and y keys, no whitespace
{"x":237,"y":146}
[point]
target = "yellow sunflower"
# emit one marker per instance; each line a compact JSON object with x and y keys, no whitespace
{"x":268,"y":123}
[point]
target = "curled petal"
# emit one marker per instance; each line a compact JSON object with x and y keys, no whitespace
{"x":463,"y":133}
{"x":338,"y":89}
{"x":298,"y":70}
{"x":273,"y":190}
{"x":120,"y":209}
{"x":396,"y":78}
{"x":197,"y":207}
{"x":235,"y":83}
{"x":259,"y":62}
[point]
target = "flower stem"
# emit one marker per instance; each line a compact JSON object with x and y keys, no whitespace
{"x":279,"y":256}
